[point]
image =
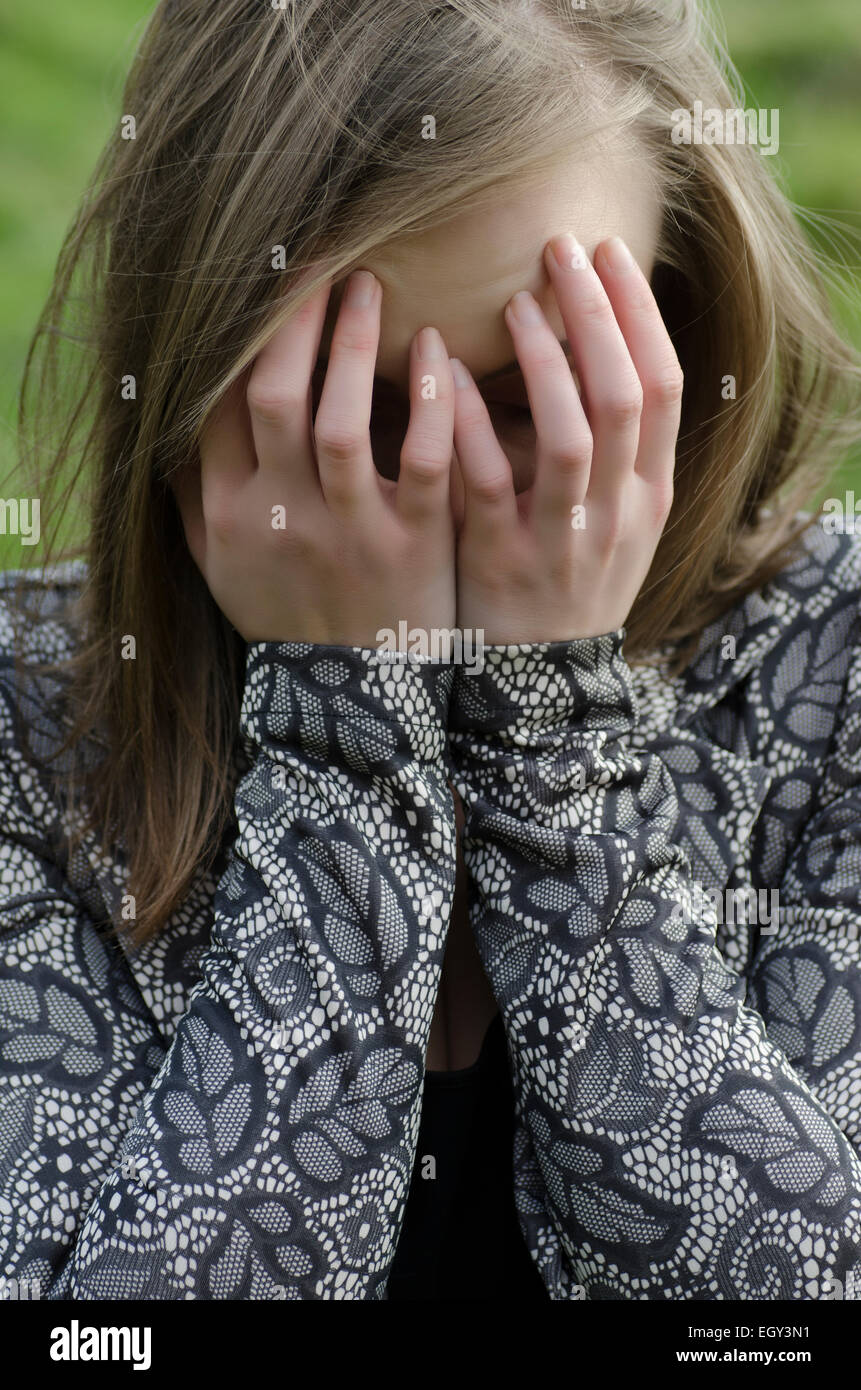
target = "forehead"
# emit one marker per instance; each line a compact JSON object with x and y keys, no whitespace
{"x":458,"y":277}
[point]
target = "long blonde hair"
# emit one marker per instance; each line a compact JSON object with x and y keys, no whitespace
{"x":252,"y":127}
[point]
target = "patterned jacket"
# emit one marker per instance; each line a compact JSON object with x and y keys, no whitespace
{"x":666,"y":897}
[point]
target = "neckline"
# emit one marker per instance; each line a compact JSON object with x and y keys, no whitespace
{"x":458,"y":1074}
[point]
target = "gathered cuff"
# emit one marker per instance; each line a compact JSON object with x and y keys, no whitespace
{"x":342,"y":703}
{"x":536,"y":689}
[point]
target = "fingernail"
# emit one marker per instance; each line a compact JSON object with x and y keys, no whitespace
{"x":360,"y":289}
{"x":525,"y":307}
{"x":459,"y":372}
{"x":617,"y":256}
{"x":429,"y":345}
{"x":568,"y":252}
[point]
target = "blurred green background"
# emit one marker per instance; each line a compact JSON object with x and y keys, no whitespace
{"x":61,"y":73}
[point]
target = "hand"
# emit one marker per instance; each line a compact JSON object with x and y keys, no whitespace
{"x":525,"y":572}
{"x":357,"y":553}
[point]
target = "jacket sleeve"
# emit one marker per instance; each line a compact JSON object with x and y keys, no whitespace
{"x":266,"y":1152}
{"x":666,"y":1148}
{"x":805,"y":977}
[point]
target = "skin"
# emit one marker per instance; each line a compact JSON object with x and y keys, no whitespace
{"x":460,"y":277}
{"x":456,"y":509}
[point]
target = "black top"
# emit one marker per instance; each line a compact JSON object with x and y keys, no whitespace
{"x":460,"y":1237}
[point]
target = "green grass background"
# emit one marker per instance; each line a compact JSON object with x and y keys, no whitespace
{"x":61,"y":73}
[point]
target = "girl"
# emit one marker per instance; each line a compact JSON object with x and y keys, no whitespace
{"x":331,"y":972}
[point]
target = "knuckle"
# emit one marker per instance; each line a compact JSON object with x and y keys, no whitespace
{"x":595,"y":307}
{"x":547,"y":360}
{"x":491,"y":488}
{"x":423,"y":461}
{"x":641,"y":300}
{"x":623,"y":408}
{"x":443,"y":389}
{"x":667,"y":387}
{"x":496,"y":580}
{"x":355,"y":337}
{"x":305,"y":314}
{"x":572,"y":455}
{"x":337,"y":439}
{"x":270,"y":400}
{"x":297,"y":544}
{"x":340,"y":492}
{"x":474,"y":420}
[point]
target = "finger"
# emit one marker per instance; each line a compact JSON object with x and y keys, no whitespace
{"x":612,"y":391}
{"x":279,"y":395}
{"x":423,"y":480}
{"x":342,"y":433}
{"x":564,"y":440}
{"x":654,"y":357}
{"x":488,"y":486}
{"x":456,"y":492}
{"x":227,"y":455}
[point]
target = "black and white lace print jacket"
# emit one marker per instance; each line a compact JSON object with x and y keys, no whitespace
{"x":231,"y":1112}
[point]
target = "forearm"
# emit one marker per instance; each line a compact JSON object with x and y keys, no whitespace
{"x":272,"y":1154}
{"x":653,"y":1097}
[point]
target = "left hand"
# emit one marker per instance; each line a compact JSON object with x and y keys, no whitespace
{"x":525,"y":574}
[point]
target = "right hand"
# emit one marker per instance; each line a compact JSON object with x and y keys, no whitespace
{"x":358,"y":552}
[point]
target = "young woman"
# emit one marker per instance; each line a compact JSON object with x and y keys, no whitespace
{"x":332,"y":972}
